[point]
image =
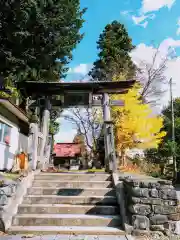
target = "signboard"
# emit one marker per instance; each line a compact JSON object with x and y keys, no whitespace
{"x":74,"y":99}
{"x":115,"y":103}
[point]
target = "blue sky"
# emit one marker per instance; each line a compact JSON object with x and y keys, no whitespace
{"x":150,"y":23}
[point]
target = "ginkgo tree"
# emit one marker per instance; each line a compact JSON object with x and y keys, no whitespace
{"x":135,"y":124}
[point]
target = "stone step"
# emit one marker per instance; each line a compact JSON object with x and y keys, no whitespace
{"x":75,"y":200}
{"x":66,"y":230}
{"x":71,"y":191}
{"x":73,"y":177}
{"x":72,"y":184}
{"x":67,"y":209}
{"x":66,"y":220}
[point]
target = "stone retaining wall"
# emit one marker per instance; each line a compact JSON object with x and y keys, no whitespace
{"x":11,"y":196}
{"x":150,"y":205}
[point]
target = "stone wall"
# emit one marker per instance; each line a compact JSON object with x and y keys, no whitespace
{"x":150,"y":205}
{"x":11,"y":196}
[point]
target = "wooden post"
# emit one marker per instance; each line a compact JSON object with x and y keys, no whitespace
{"x":45,"y":129}
{"x":106,"y":117}
{"x":110,"y":156}
{"x":33,"y":145}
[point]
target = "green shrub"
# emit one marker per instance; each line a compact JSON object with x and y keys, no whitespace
{"x":155,"y":174}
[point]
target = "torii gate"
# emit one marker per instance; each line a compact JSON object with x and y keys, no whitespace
{"x":75,"y":94}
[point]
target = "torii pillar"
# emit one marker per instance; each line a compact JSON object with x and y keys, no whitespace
{"x":110,"y":155}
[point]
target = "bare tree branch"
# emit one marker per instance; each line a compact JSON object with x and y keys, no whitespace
{"x":152,"y":77}
{"x":88,"y":123}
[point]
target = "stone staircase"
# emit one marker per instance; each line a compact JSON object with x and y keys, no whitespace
{"x":69,"y":203}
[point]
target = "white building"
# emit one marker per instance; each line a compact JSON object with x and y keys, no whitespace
{"x":14,"y":130}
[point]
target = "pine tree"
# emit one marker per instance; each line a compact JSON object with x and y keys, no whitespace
{"x":114,"y":46}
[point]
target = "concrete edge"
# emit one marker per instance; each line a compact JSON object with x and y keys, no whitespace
{"x":10,"y":210}
{"x":119,"y":187}
{"x":129,"y":237}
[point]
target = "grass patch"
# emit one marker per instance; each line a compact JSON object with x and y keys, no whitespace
{"x":88,"y":170}
{"x":96,"y":170}
{"x":12,"y":176}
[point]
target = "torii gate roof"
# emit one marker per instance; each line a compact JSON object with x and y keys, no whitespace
{"x":30,"y":88}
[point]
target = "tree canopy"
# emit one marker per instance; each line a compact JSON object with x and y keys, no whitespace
{"x":37,"y":37}
{"x":135,"y":125}
{"x":114,"y":46}
{"x":164,"y":150}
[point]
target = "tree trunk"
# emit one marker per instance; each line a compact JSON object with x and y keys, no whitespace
{"x":123,"y":157}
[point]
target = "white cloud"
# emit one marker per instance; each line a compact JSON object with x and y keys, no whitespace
{"x":139,"y":20}
{"x":125,"y":13}
{"x":155,"y":5}
{"x":169,"y":44}
{"x":151,"y":6}
{"x":80,"y":69}
{"x":67,"y":130}
{"x":178,"y":29}
{"x":65,"y":136}
{"x":144,"y":25}
{"x":144,"y":53}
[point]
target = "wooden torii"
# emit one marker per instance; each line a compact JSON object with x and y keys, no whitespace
{"x":74,"y":94}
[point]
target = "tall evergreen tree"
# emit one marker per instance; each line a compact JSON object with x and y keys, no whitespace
{"x":114,"y":46}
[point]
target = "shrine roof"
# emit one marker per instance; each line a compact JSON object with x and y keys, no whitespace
{"x":67,"y":149}
{"x":30,"y":88}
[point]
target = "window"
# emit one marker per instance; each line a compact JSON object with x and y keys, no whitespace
{"x":5,"y":133}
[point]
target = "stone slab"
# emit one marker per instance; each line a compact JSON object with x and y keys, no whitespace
{"x":76,"y":200}
{"x":72,"y":191}
{"x":72,"y":184}
{"x":67,"y":237}
{"x":70,"y":177}
{"x":140,"y":222}
{"x":160,"y":209}
{"x":66,"y":230}
{"x":140,"y":209}
{"x":174,"y":217}
{"x":67,"y":220}
{"x":67,"y":209}
{"x":158,"y":219}
{"x":168,"y":194}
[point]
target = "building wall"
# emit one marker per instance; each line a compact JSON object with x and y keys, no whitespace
{"x":17,"y":139}
{"x":23,"y":137}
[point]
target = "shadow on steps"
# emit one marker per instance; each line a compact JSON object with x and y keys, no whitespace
{"x":78,"y":191}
